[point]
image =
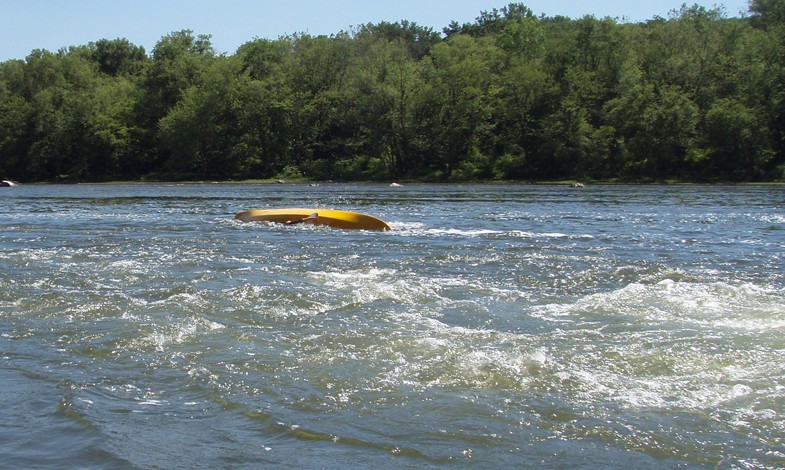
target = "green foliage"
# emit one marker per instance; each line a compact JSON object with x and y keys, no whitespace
{"x":118,"y":57}
{"x":734,"y":142}
{"x":768,"y":14}
{"x":695,"y":96}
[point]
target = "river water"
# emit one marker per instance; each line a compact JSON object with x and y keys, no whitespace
{"x":496,"y":326}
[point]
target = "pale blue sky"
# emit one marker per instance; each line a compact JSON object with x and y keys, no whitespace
{"x":26,"y":25}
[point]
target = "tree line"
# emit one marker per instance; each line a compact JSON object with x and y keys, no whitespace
{"x":695,"y":96}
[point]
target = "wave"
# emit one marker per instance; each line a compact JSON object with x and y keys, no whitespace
{"x":420,"y":229}
{"x":742,"y":306}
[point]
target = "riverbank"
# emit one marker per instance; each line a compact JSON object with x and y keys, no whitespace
{"x":404,"y":182}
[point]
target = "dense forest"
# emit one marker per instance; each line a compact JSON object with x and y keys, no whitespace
{"x":696,"y":96}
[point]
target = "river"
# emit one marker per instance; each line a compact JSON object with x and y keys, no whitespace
{"x":496,"y":326}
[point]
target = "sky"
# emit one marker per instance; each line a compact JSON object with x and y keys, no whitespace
{"x":26,"y":25}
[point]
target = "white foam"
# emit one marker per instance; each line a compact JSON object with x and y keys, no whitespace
{"x":177,"y":333}
{"x":367,"y":285}
{"x":464,"y":233}
{"x":420,"y":229}
{"x":741,"y":306}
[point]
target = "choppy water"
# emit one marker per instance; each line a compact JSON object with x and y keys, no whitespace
{"x":496,"y":326}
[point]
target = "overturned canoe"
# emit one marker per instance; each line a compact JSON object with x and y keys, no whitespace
{"x":329,"y":217}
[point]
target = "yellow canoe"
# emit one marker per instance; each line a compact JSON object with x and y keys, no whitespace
{"x":329,"y":217}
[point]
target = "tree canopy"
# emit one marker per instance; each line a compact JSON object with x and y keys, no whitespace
{"x":511,"y":96}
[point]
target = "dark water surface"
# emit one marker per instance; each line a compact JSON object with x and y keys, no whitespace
{"x":496,"y":326}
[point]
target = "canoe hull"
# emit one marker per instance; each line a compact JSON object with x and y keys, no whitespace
{"x":330,"y":217}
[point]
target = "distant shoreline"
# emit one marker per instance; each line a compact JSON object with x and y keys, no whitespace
{"x":404,"y":183}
